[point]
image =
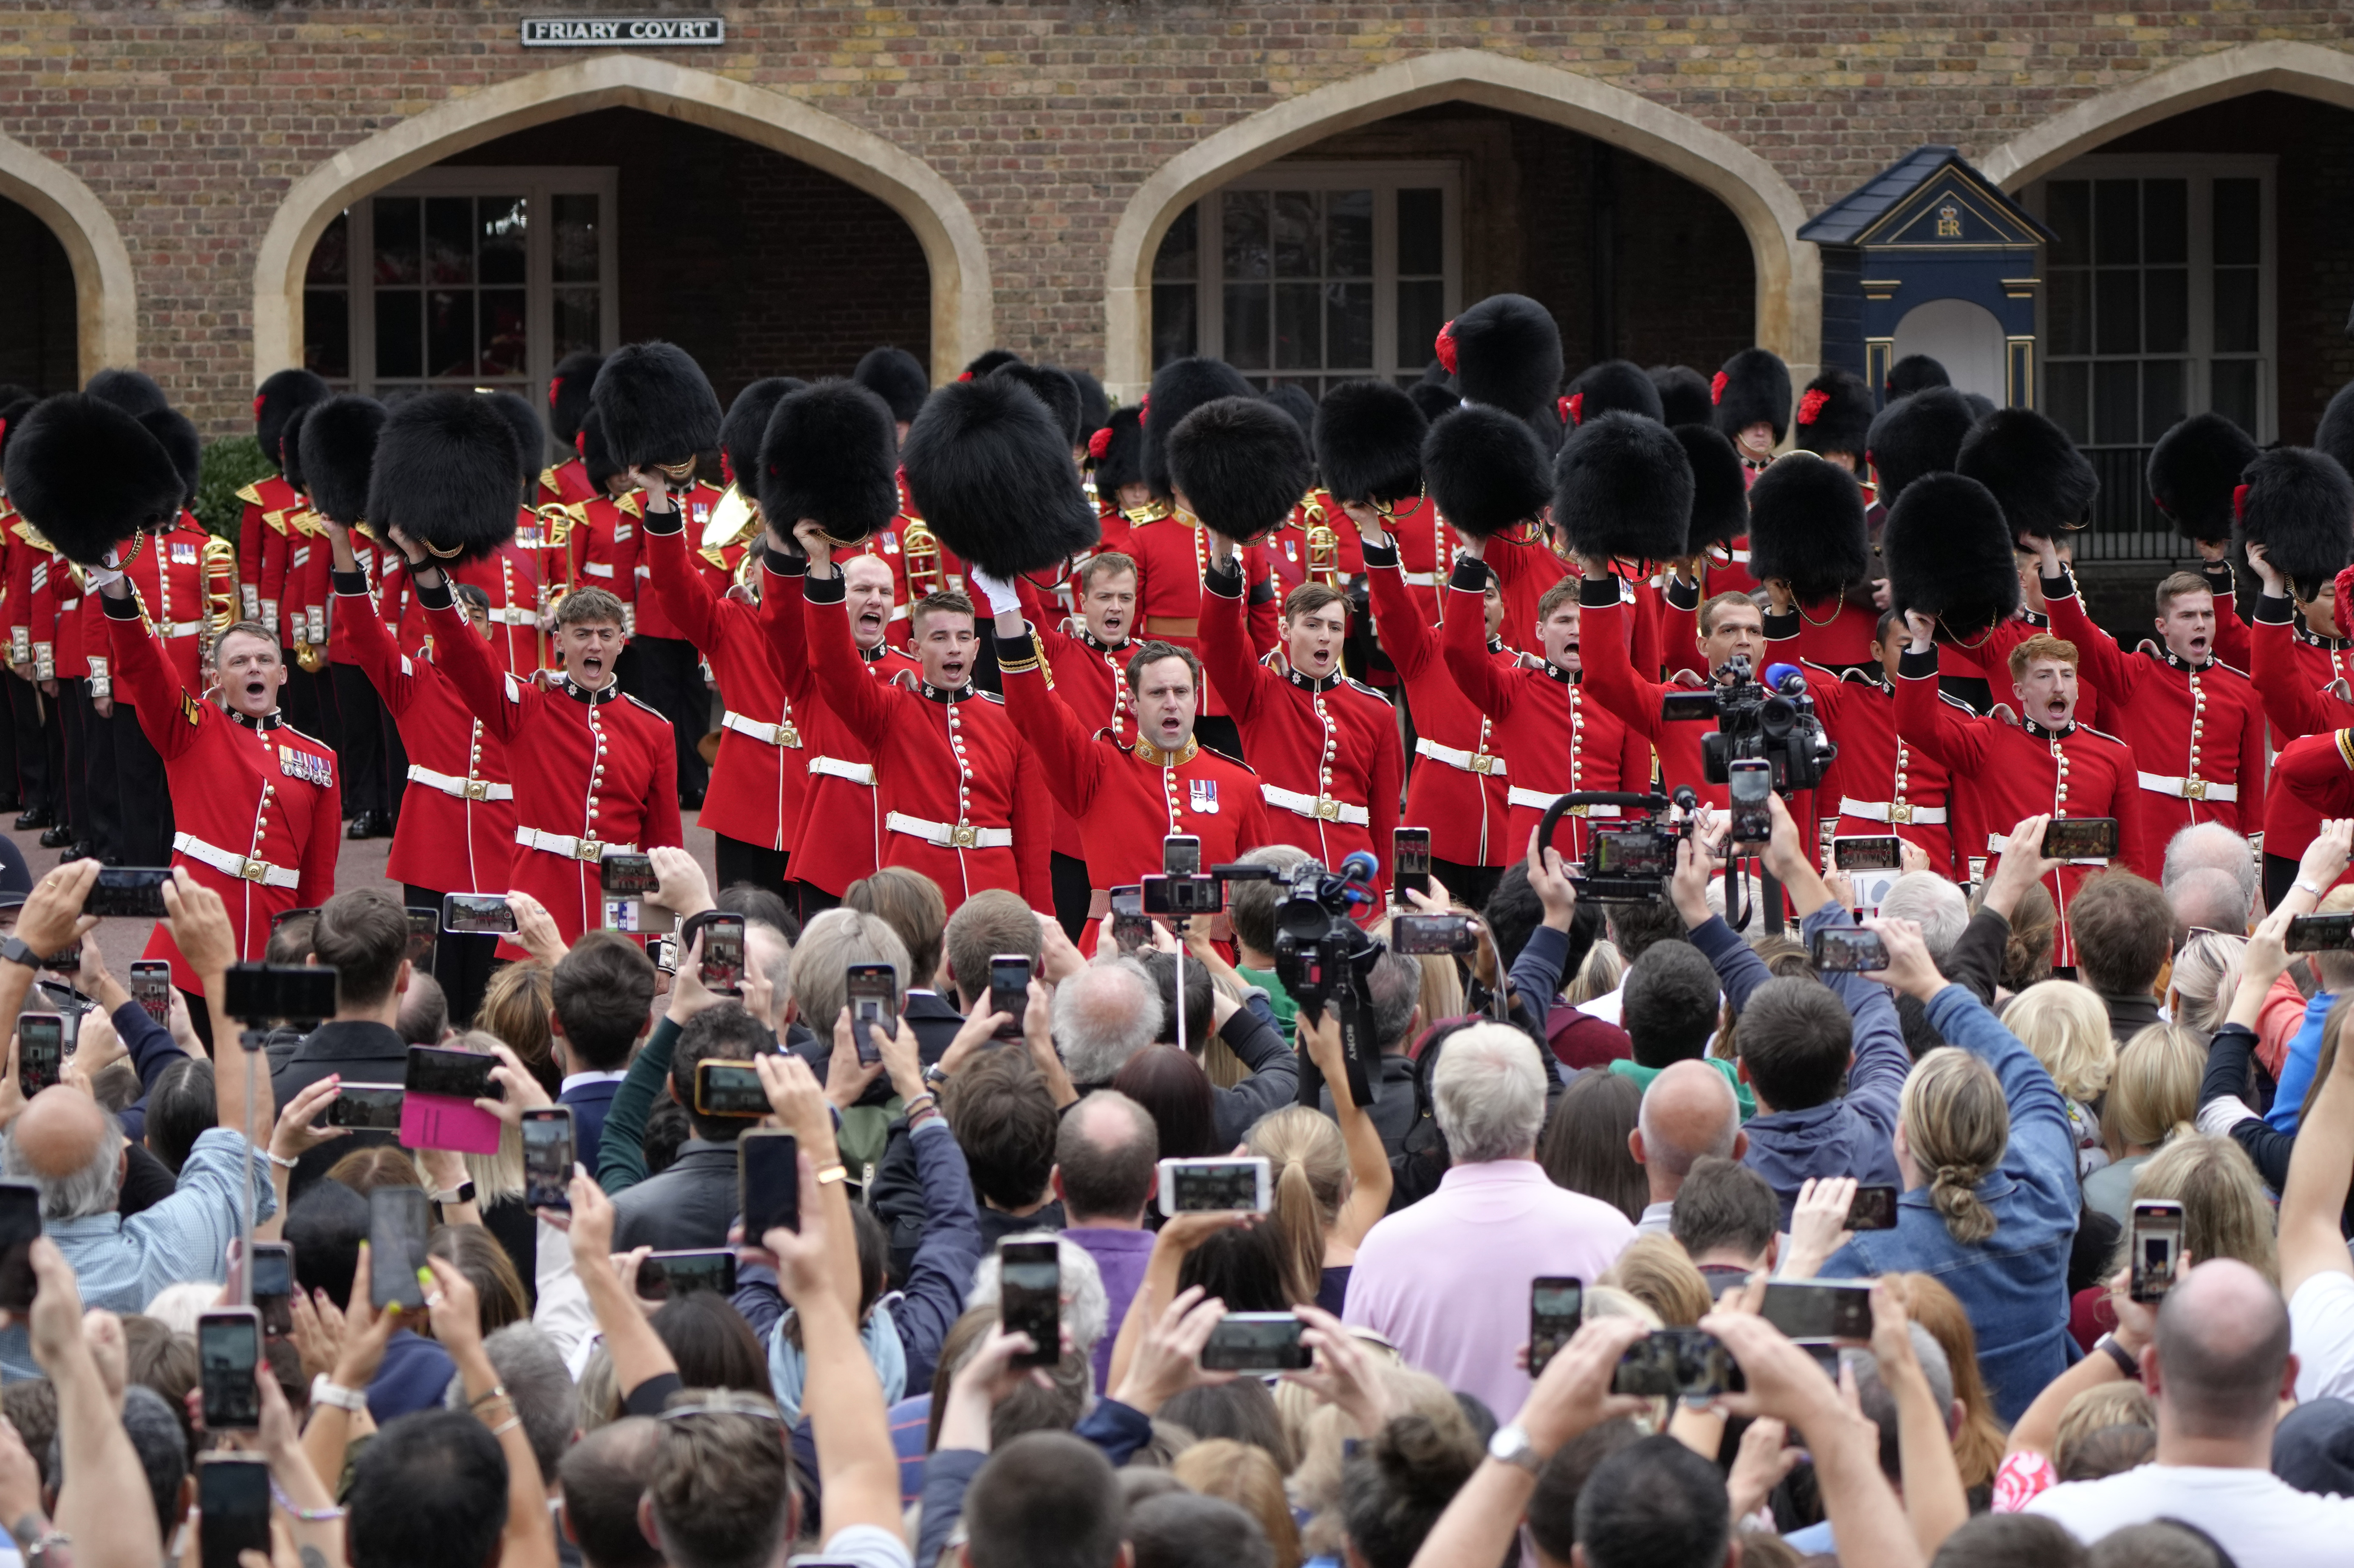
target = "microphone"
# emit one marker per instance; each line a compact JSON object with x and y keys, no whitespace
{"x":1359,"y":865}
{"x":1780,"y":678}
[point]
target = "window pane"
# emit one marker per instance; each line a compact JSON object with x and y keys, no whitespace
{"x":449,"y":239}
{"x":2235,"y":311}
{"x":2065,"y":387}
{"x":2165,"y":310}
{"x":2165,"y":221}
{"x":1420,"y":311}
{"x":331,"y":258}
{"x":1298,"y":325}
{"x":578,"y":325}
{"x":449,"y":333}
{"x":1174,"y":332}
{"x":2239,"y":222}
{"x":2116,"y":412}
{"x":400,"y":337}
{"x":396,"y":239}
{"x":2118,"y":322}
{"x":1245,"y":309}
{"x":502,"y":220}
{"x":1298,"y":239}
{"x":1174,"y":261}
{"x":327,"y":333}
{"x":1349,"y":326}
{"x":1349,"y":233}
{"x":1245,"y":217}
{"x":1421,"y":232}
{"x":573,"y":254}
{"x":2068,"y":210}
{"x":500,"y":315}
{"x":2234,"y":384}
{"x":2162,"y":402}
{"x":2116,"y":222}
{"x":2068,"y":306}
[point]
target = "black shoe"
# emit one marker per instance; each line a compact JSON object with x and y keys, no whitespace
{"x":369,"y":825}
{"x":77,"y":852}
{"x":38,"y":817}
{"x":56,"y":837}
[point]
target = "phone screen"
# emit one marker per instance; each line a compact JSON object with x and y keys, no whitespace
{"x":424,"y":930}
{"x":1749,"y":785}
{"x":2320,"y":933}
{"x":398,"y":1223}
{"x":1816,"y":1310}
{"x":1009,"y":986}
{"x":1030,"y":1298}
{"x":1836,"y":949}
{"x":40,"y":1050}
{"x":1874,"y":1209}
{"x":472,"y":912}
{"x":1557,"y":1307}
{"x":768,"y":1183}
{"x":228,"y":1347}
{"x":2156,"y":1248}
{"x":1255,"y":1341}
{"x":729,"y":1088}
{"x":20,"y":1224}
{"x":628,"y":874}
{"x":1214,"y":1186}
{"x":1415,"y":934}
{"x":1409,"y":860}
{"x":664,"y":1275}
{"x":548,"y":1157}
{"x":132,"y":891}
{"x":296,"y":992}
{"x":722,"y":953}
{"x":1668,"y":1363}
{"x":874,"y":1003}
{"x":460,"y":1075}
{"x":273,"y":1287}
{"x":233,"y":1507}
{"x":2079,"y":838}
{"x":368,"y":1107}
{"x":1880,"y":853}
{"x":1181,"y":855}
{"x":151,"y":986}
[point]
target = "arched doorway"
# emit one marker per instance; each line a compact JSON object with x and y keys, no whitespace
{"x":40,"y":343}
{"x":63,"y":263}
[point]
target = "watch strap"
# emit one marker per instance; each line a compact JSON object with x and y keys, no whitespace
{"x":1510,"y":1446}
{"x":464,"y":1194}
{"x":2124,"y":1359}
{"x":325,"y":1389}
{"x":17,"y":951}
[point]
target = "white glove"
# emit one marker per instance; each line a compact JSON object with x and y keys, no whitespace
{"x":1000,"y":593}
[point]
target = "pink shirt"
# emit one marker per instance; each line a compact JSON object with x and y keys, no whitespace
{"x":1447,"y":1280}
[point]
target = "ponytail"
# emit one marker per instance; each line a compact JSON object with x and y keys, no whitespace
{"x":1954,"y":1194}
{"x":1299,"y":1233}
{"x":1308,"y":1167}
{"x":1957,"y":1125}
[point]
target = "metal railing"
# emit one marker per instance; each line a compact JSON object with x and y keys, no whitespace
{"x":2126,"y":524}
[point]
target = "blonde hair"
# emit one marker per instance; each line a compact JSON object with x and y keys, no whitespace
{"x":2067,"y":1027}
{"x":2096,"y":1410}
{"x":2224,"y":1211}
{"x":1244,"y":1475}
{"x":2155,"y":1090}
{"x":1979,"y":1444}
{"x":2206,"y":973}
{"x":1316,"y":1480}
{"x":1661,"y":1275}
{"x":1599,"y":976}
{"x":1956,"y":1126}
{"x":1307,"y":1171}
{"x":496,"y":1176}
{"x":515,"y":1010}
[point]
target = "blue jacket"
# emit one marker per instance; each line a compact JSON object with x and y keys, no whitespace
{"x":2014,"y":1285}
{"x":2297,"y":1065}
{"x":1849,"y":1136}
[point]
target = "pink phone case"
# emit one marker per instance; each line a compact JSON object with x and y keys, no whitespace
{"x":445,"y":1121}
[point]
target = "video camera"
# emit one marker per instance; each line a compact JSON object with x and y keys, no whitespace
{"x":1323,"y":958}
{"x":1629,"y":864}
{"x":1773,"y":721}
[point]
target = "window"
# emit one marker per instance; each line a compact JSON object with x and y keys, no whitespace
{"x":463,"y":276}
{"x":1312,"y":274}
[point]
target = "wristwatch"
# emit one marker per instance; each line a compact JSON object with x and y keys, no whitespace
{"x":17,"y":951}
{"x":2128,"y":1363}
{"x":1510,"y":1446}
{"x":934,"y":1075}
{"x":464,"y":1195}
{"x":325,"y":1389}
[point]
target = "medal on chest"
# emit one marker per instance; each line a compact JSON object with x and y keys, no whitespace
{"x":1202,"y":797}
{"x":302,"y":765}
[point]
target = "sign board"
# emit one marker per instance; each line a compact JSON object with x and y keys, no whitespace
{"x":601,"y":32}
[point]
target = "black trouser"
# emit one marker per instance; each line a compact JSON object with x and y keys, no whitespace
{"x":1073,"y":893}
{"x":138,"y":813}
{"x":751,"y":865}
{"x":672,"y":675}
{"x":395,"y":769}
{"x":28,"y":711}
{"x":102,"y":827}
{"x":361,"y":751}
{"x":462,"y":960}
{"x":2280,"y":877}
{"x":1469,"y":883}
{"x":73,"y":714}
{"x":812,"y":901}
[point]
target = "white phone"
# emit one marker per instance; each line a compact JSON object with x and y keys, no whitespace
{"x":1214,"y":1186}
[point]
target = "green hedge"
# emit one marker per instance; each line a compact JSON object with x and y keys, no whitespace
{"x":229,"y":466}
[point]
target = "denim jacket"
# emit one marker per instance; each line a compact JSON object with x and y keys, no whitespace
{"x":2014,"y":1285}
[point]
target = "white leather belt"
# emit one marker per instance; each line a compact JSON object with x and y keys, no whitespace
{"x":783,"y":735}
{"x":2188,"y":789}
{"x":949,"y":835}
{"x":569,"y":846}
{"x":1897,"y":812}
{"x":516,"y":615}
{"x":597,"y":568}
{"x":1456,"y":756}
{"x":1998,"y":842}
{"x":835,"y":768}
{"x":460,"y":789}
{"x":178,"y":627}
{"x":1322,"y":807}
{"x":243,"y":867}
{"x":1540,"y":800}
{"x":1421,"y":579}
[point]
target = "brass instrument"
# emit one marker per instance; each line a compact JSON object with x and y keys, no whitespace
{"x":218,"y":573}
{"x":556,"y":519}
{"x":1323,"y":543}
{"x":922,"y":549}
{"x":310,"y":656}
{"x":1150,"y":511}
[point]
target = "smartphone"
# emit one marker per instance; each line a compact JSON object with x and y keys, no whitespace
{"x":20,"y":1225}
{"x":729,"y":1088}
{"x":367,"y":1107}
{"x":1846,"y":950}
{"x":1874,"y":1209}
{"x":1687,"y":707}
{"x":273,"y":1287}
{"x":297,"y":993}
{"x":150,"y":988}
{"x":398,"y":1221}
{"x":132,"y":891}
{"x":1030,"y":1298}
{"x":1214,"y":1186}
{"x":1671,"y":1364}
{"x":627,"y":875}
{"x":460,"y":1074}
{"x":2320,"y":933}
{"x":1009,"y":986}
{"x":767,"y":1182}
{"x":874,"y":1003}
{"x":1820,"y":1310}
{"x":228,"y":1347}
{"x":1181,"y":855}
{"x":1434,"y":934}
{"x":2156,"y":1247}
{"x":1749,"y":786}
{"x":465,"y":914}
{"x":1409,"y":861}
{"x":424,"y":930}
{"x":723,"y":954}
{"x":664,"y":1275}
{"x":548,"y":1157}
{"x":1557,"y":1307}
{"x":232,"y":1507}
{"x":2081,"y":838}
{"x":1255,"y":1343}
{"x":40,"y":1050}
{"x":1881,"y":852}
{"x":1182,"y":895}
{"x":1131,"y":929}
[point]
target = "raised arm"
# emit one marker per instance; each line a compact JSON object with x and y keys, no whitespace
{"x":2106,"y":667}
{"x":1397,"y":619}
{"x":2314,"y":1200}
{"x":862,"y":703}
{"x":359,"y":635}
{"x":504,"y":703}
{"x":684,"y":592}
{"x":1611,"y":673}
{"x":169,"y":716}
{"x":784,"y":616}
{"x":1921,"y":717}
{"x":1224,"y":641}
{"x":1462,"y":637}
{"x":2232,"y":644}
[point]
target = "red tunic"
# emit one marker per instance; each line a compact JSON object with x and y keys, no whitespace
{"x":1878,"y":784}
{"x":32,"y":615}
{"x":1287,"y":550}
{"x":653,"y":620}
{"x":1611,"y":679}
{"x":565,"y":484}
{"x":457,"y":813}
{"x":303,"y":601}
{"x":1425,"y":549}
{"x":2318,"y":772}
{"x":255,"y":802}
{"x":1171,"y":553}
{"x":506,"y":581}
{"x":1986,"y":659}
{"x":603,"y":545}
{"x":1090,"y":676}
{"x":168,"y":583}
{"x":1834,"y":635}
{"x":1523,"y":573}
{"x":1460,"y":786}
{"x":267,"y":501}
{"x":2295,"y":673}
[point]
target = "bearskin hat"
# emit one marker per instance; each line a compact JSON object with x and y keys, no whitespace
{"x":1242,"y":465}
{"x":1835,"y":414}
{"x":1916,"y":435}
{"x":1437,"y":399}
{"x":1095,"y":406}
{"x":338,"y":448}
{"x":2195,"y":467}
{"x":1806,"y":526}
{"x":898,"y":377}
{"x":12,"y":419}
{"x":132,"y":391}
{"x":1720,"y":512}
{"x":2045,"y":485}
{"x":1296,"y":401}
{"x":89,"y":476}
{"x":2336,"y":434}
{"x":568,"y":393}
{"x":1505,"y":351}
{"x":12,"y":394}
{"x":447,"y":474}
{"x":1754,"y":387}
{"x":987,"y":360}
{"x":1116,"y":453}
{"x":1949,"y":555}
{"x":658,"y":405}
{"x":2298,"y":503}
{"x":1179,"y":388}
{"x":1369,"y":439}
{"x":1612,"y":386}
{"x":1684,"y":394}
{"x":290,"y":449}
{"x":595,"y":455}
{"x":530,"y":435}
{"x":746,"y":422}
{"x":281,"y":393}
{"x":1485,"y":470}
{"x":992,"y":474}
{"x":177,"y":435}
{"x":829,"y":454}
{"x":1055,"y":388}
{"x":1623,"y":487}
{"x":1915,"y":373}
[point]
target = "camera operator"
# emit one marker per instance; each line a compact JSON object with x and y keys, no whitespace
{"x":1730,"y":625}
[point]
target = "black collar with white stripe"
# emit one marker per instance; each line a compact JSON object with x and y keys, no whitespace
{"x":572,"y":688}
{"x":2312,"y":638}
{"x":2170,"y":657}
{"x":273,"y":719}
{"x":932,"y":694}
{"x":1307,"y":683}
{"x":1097,"y":643}
{"x":2041,"y":732}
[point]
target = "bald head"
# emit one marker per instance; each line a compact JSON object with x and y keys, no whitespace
{"x":1105,"y":1154}
{"x":1689,"y":1114}
{"x":65,"y":1142}
{"x":866,"y":571}
{"x":2212,"y":846}
{"x":2222,"y":1353}
{"x":2207,"y":899}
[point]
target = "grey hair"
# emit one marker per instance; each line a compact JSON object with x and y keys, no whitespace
{"x":2206,"y":897}
{"x":1879,"y":1406}
{"x":830,"y":944}
{"x":1667,"y":1155}
{"x":1489,"y":1094}
{"x":1103,"y":1015}
{"x":2215,"y":846}
{"x":532,"y":1370}
{"x":95,"y":1189}
{"x":1086,"y":1309}
{"x":1935,"y":903}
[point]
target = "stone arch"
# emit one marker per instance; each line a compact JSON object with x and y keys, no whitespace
{"x":1790,"y":290}
{"x":2307,"y":71}
{"x":961,"y":301}
{"x":106,"y":302}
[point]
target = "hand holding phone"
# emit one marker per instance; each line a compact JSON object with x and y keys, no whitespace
{"x":874,"y":991}
{"x":150,"y":988}
{"x":40,"y":1052}
{"x":1008,"y":990}
{"x":398,"y":1222}
{"x":548,"y":1157}
{"x":229,"y":1347}
{"x":1030,"y":1298}
{"x":768,"y":1182}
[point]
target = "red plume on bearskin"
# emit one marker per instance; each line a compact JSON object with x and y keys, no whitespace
{"x":746,"y":422}
{"x":568,"y":393}
{"x":1623,"y":488}
{"x":90,"y":476}
{"x":1806,"y":526}
{"x":2193,"y":471}
{"x":1240,"y":464}
{"x":829,"y":455}
{"x":658,"y":406}
{"x":281,"y":393}
{"x":2045,"y":485}
{"x":1369,"y":439}
{"x":1616,"y":386}
{"x":1486,"y":469}
{"x":338,"y":447}
{"x":898,"y":377}
{"x":1116,"y":453}
{"x":1179,"y":388}
{"x":991,"y":471}
{"x":1915,"y":435}
{"x":1949,"y":554}
{"x":1835,"y":414}
{"x":446,"y":475}
{"x":1720,"y":510}
{"x":2298,"y":503}
{"x":1752,"y":388}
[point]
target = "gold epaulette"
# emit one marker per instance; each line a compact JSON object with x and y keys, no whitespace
{"x":548,"y":480}
{"x":630,"y":504}
{"x":714,"y":557}
{"x":33,"y":536}
{"x":276,"y":521}
{"x":250,"y":494}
